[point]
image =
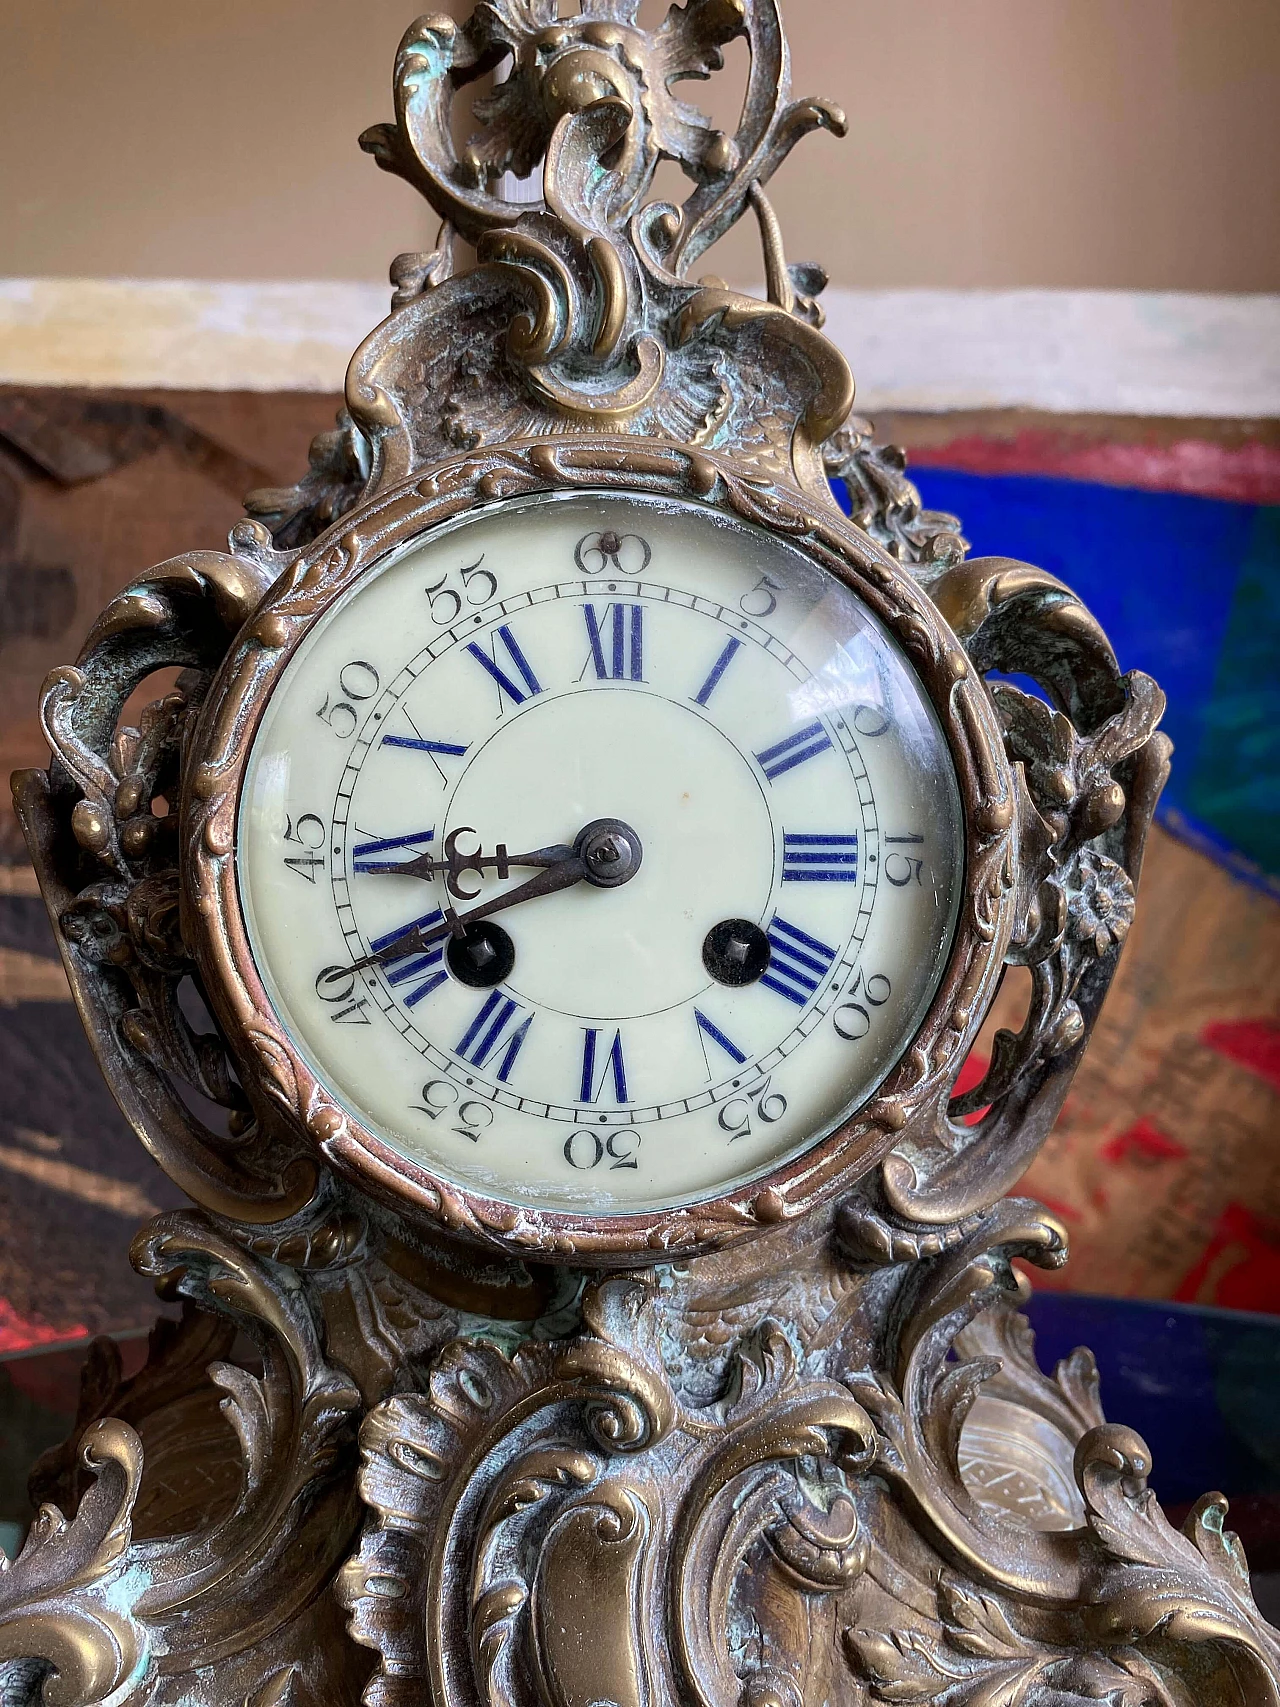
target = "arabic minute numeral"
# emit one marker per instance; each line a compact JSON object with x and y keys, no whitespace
{"x":901,"y":869}
{"x":439,"y":1097}
{"x":871,"y":721}
{"x":307,"y":832}
{"x":762,"y":600}
{"x":598,"y":553}
{"x":852,"y":1019}
{"x":767,"y":1105}
{"x":478,"y":587}
{"x":336,"y":985}
{"x":357,"y":682}
{"x":476,"y":1117}
{"x":584,"y":1150}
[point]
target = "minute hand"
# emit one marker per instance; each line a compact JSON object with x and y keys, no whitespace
{"x":562,"y":873}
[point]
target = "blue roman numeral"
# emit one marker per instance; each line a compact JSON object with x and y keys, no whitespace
{"x":819,"y":859}
{"x":806,"y":743}
{"x":423,"y":968}
{"x":519,"y":663}
{"x":451,"y":749}
{"x":592,"y":1086}
{"x":721,"y":664}
{"x":625,"y":657}
{"x":362,"y":855}
{"x":710,"y":1029}
{"x":798,"y":962}
{"x":488,"y":1033}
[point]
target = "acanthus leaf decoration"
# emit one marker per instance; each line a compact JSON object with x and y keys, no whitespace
{"x":830,"y":1489}
{"x":466,"y":1509}
{"x":1190,"y":1586}
{"x":581,"y":310}
{"x":66,"y":1610}
{"x":110,"y":878}
{"x":1092,"y":1596}
{"x":884,"y":503}
{"x":148,"y":1589}
{"x":1088,"y":761}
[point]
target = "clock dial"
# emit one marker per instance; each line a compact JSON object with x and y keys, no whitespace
{"x":600,"y":853}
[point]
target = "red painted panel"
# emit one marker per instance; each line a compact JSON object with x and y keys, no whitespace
{"x":1247,"y":473}
{"x":1250,"y":1043}
{"x":17,"y":1334}
{"x":1239,"y":1268}
{"x":1142,"y":1142}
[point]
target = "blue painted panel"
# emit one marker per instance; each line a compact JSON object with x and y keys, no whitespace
{"x":1235,"y":784}
{"x":1188,"y":589}
{"x":1199,"y":1385}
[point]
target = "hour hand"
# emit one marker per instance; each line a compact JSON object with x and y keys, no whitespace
{"x":557,"y":875}
{"x":456,"y":863}
{"x":605,"y":853}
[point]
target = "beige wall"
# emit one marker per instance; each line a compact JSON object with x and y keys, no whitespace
{"x":1124,"y":143}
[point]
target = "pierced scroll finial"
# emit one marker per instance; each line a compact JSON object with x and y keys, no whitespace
{"x":558,"y":67}
{"x":582,"y":312}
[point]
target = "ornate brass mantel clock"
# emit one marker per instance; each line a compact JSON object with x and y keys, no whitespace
{"x":596,"y":856}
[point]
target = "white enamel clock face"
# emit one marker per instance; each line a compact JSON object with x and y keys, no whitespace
{"x":720,"y":973}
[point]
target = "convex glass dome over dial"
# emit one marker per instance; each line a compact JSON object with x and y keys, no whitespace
{"x":600,"y":853}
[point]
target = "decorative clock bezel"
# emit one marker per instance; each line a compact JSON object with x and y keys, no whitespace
{"x":911,"y":1100}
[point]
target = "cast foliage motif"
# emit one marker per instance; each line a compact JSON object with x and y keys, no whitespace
{"x":581,"y":311}
{"x":803,"y":1451}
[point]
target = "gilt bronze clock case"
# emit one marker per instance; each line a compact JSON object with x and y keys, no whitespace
{"x":784,"y":1444}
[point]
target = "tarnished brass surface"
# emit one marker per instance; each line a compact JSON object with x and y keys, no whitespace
{"x":785,"y":1447}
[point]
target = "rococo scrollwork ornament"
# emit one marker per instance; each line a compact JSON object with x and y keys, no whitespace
{"x":429,"y":1431}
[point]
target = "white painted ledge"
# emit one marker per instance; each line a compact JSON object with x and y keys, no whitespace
{"x":1111,"y":352}
{"x":184,"y":334}
{"x":1077,"y":351}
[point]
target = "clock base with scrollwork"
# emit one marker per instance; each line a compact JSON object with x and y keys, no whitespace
{"x":427,"y":1452}
{"x":696,"y":1484}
